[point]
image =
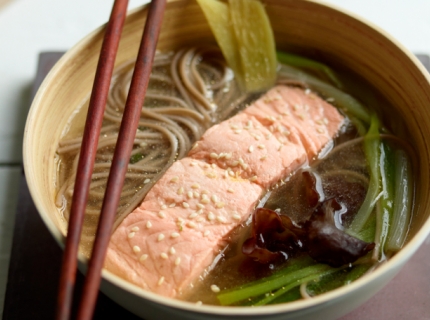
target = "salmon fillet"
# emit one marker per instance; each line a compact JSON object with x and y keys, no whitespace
{"x":293,"y":110}
{"x":179,"y":228}
{"x":273,"y":136}
{"x":174,"y":235}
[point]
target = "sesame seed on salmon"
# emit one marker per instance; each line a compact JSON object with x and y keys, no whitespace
{"x":195,"y":231}
{"x":272,"y":137}
{"x":174,"y":235}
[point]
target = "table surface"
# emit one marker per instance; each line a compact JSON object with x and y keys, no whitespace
{"x":28,"y":27}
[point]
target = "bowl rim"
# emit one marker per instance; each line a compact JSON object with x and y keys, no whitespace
{"x":392,"y":265}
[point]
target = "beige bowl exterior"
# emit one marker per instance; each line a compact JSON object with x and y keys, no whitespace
{"x":308,"y":25}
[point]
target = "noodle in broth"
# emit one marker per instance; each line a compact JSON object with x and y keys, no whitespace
{"x":188,"y":92}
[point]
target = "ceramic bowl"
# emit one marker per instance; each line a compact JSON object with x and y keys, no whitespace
{"x":339,"y":38}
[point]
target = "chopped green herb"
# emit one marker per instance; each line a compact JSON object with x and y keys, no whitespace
{"x":136,"y":158}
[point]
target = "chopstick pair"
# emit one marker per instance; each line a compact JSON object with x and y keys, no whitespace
{"x":120,"y":160}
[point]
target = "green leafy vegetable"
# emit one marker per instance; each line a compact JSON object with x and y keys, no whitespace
{"x":344,"y":101}
{"x":371,"y":150}
{"x":136,"y":158}
{"x":384,"y":207}
{"x":217,"y":14}
{"x":402,"y":206}
{"x":297,"y":279}
{"x":267,"y":284}
{"x":356,"y":272}
{"x":302,"y":62}
{"x":336,"y":279}
{"x":249,"y":50}
{"x":368,"y":232}
{"x":292,"y":295}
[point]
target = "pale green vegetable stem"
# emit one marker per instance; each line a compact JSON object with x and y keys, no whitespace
{"x":372,"y":152}
{"x":402,"y":203}
{"x":341,"y":99}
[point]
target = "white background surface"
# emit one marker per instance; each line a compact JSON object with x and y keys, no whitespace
{"x":30,"y":26}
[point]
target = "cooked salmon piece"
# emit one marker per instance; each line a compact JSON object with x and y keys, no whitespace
{"x":169,"y":240}
{"x":247,"y":148}
{"x":272,"y":137}
{"x":290,"y":109}
{"x":174,"y":235}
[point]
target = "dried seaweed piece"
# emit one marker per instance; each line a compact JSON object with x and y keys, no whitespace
{"x":327,"y":244}
{"x":273,"y":236}
{"x":313,"y":197}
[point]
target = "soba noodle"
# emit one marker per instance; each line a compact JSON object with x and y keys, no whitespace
{"x":189,"y":91}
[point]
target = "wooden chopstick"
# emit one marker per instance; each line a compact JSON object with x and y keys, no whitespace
{"x":87,"y":155}
{"x":121,"y":158}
